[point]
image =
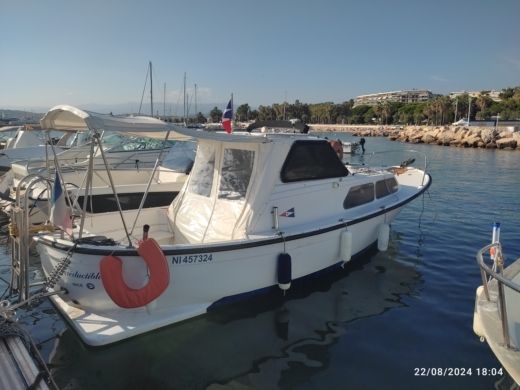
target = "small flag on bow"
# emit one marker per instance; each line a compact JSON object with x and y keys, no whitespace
{"x":288,"y":213}
{"x":60,"y":216}
{"x":227,"y":117}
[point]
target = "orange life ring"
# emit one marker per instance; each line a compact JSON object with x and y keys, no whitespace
{"x":111,"y":270}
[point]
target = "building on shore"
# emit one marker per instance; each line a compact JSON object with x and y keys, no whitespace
{"x":406,"y":96}
{"x":493,"y":95}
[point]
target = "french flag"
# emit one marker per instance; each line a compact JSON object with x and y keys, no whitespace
{"x":227,"y":116}
{"x":288,"y":213}
{"x":60,"y":216}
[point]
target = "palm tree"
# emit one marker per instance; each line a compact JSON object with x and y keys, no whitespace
{"x":387,"y":111}
{"x":483,"y":101}
{"x":378,"y":110}
{"x":444,"y":105}
{"x":243,"y":112}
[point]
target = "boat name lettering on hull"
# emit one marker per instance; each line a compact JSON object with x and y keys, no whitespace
{"x":188,"y":259}
{"x":86,"y":276}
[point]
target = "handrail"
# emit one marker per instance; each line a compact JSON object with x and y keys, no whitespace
{"x":501,"y":281}
{"x":490,"y":272}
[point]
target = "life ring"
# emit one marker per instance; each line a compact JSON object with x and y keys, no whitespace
{"x":111,"y":270}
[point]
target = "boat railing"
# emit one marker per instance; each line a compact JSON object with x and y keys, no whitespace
{"x":20,"y":236}
{"x":497,"y":272}
{"x":368,"y":157}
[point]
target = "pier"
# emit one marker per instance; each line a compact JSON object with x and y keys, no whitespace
{"x":21,"y":366}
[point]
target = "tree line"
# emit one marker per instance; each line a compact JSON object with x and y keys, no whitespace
{"x":438,"y":111}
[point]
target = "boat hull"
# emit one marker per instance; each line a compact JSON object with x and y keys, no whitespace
{"x":199,"y":277}
{"x":487,"y":321}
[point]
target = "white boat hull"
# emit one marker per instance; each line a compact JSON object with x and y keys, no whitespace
{"x":199,"y":278}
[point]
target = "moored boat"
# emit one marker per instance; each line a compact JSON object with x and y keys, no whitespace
{"x":258,"y":210}
{"x":497,"y":306}
{"x":137,"y":165}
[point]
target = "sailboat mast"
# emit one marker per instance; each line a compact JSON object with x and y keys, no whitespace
{"x":164,"y":102}
{"x":195,"y":98}
{"x":151,"y":90}
{"x":184,"y":95}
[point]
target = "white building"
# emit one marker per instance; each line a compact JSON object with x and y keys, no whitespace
{"x":406,"y":96}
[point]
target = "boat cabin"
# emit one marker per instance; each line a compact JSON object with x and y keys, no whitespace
{"x":242,"y":185}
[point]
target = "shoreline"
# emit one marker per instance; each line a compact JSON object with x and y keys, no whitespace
{"x":502,"y":137}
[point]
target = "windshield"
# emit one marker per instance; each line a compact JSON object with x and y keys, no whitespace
{"x":119,"y":143}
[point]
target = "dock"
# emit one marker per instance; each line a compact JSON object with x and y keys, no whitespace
{"x":18,"y":367}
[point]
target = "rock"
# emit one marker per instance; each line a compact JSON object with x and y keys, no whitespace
{"x":428,"y":138}
{"x":488,"y":135}
{"x":504,"y":143}
{"x":454,"y":142}
{"x":471,"y":141}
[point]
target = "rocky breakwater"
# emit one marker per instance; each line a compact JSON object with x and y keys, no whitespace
{"x":502,"y":137}
{"x":466,"y":137}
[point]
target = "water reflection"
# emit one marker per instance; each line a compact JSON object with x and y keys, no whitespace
{"x":251,"y":344}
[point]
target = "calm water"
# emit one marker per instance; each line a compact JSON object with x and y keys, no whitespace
{"x":369,"y":326}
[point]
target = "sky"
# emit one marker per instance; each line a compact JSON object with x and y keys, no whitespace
{"x":94,"y":54}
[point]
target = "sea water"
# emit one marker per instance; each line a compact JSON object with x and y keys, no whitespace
{"x":382,"y":322}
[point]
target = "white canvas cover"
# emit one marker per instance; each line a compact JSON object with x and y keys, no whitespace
{"x":229,"y":187}
{"x":64,"y":117}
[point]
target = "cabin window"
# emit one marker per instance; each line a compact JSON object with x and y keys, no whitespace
{"x":386,"y":187}
{"x":237,"y":167}
{"x":311,"y":160}
{"x":201,"y":178}
{"x":359,"y":195}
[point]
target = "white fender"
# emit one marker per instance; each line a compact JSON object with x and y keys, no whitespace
{"x":383,"y":237}
{"x":345,"y":246}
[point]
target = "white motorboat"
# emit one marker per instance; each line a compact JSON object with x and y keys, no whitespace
{"x":350,"y":147}
{"x":258,"y":210}
{"x":497,"y":306}
{"x":166,"y":180}
{"x":129,"y":159}
{"x":25,"y":144}
{"x":121,"y":152}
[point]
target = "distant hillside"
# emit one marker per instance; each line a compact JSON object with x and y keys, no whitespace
{"x":21,"y":116}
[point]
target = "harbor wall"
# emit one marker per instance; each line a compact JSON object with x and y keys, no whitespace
{"x":501,"y":137}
